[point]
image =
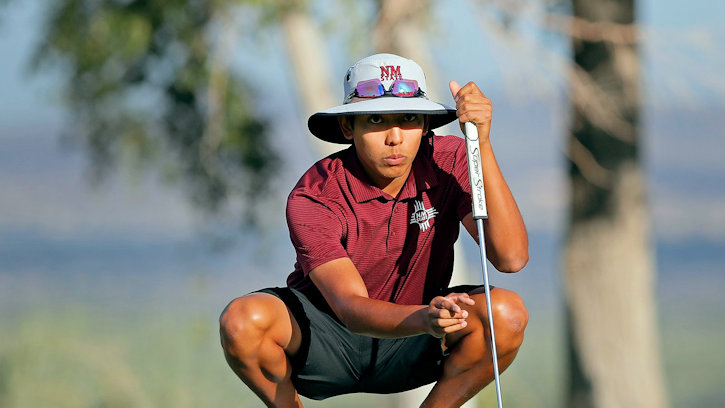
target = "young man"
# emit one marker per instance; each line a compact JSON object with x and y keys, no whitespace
{"x":368,"y":308}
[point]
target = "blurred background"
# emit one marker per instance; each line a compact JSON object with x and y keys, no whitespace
{"x":147,"y":149}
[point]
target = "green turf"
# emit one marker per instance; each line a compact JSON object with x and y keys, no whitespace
{"x":80,"y":355}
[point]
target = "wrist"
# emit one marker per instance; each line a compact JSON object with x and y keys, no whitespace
{"x":421,"y":321}
{"x":484,"y":143}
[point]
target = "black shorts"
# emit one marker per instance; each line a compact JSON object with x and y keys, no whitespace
{"x":334,"y":361}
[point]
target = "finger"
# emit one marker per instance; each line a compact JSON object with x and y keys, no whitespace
{"x":442,"y":308}
{"x":455,"y":296}
{"x":472,"y":99}
{"x":454,"y":311}
{"x":479,"y":118}
{"x":453,"y":85}
{"x":474,"y":106}
{"x":447,"y":314}
{"x":447,"y":304}
{"x":464,"y":298}
{"x":471,"y":88}
{"x":453,"y":307}
{"x":455,"y":327}
{"x":468,"y":300}
{"x":443,"y":314}
{"x":443,"y":323}
{"x":477,"y":110}
{"x":439,"y":302}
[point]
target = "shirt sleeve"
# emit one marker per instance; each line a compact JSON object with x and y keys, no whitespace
{"x":315,"y":230}
{"x":460,"y":173}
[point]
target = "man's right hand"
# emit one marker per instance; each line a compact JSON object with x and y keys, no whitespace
{"x":344,"y":290}
{"x":444,"y":315}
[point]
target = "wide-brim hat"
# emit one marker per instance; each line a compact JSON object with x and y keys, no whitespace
{"x":386,"y":68}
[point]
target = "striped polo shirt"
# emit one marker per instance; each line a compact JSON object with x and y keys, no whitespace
{"x":402,"y":246}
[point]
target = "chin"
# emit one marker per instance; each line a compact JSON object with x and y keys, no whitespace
{"x":392,"y":173}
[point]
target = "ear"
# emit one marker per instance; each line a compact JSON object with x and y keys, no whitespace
{"x":345,"y":126}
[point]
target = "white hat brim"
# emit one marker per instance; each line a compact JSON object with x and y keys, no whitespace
{"x":324,"y":124}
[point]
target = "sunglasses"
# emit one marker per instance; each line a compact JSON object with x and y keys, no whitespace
{"x":373,"y":88}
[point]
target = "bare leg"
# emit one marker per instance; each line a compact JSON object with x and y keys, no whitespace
{"x":258,"y":333}
{"x":469,"y":368}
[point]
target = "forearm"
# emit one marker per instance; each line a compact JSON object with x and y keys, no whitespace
{"x":378,"y":318}
{"x":506,"y":237}
{"x":344,"y":290}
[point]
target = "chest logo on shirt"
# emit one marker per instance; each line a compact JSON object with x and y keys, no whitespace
{"x":422,"y":216}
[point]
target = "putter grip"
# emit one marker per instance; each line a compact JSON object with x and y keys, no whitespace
{"x":475,"y":172}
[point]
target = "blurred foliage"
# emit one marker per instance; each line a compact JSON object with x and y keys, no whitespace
{"x":148,"y":80}
{"x":148,"y":83}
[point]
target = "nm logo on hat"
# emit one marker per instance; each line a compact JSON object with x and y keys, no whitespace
{"x":390,"y":72}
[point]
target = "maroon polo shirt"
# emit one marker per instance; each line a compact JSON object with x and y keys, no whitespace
{"x":402,"y":246}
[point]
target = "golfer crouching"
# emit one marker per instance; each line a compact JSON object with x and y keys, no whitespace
{"x":368,"y":307}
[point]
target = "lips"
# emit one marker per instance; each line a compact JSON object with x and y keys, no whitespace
{"x":394,"y":159}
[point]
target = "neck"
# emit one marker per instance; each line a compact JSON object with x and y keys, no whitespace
{"x":394,"y":186}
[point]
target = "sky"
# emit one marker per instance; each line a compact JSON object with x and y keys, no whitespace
{"x":53,"y":221}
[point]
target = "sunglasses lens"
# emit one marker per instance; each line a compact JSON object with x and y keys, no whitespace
{"x":370,"y":89}
{"x":405,"y":87}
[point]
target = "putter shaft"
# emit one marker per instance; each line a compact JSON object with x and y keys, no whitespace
{"x":487,"y":289}
{"x":479,"y":211}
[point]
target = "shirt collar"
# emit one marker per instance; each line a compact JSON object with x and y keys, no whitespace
{"x":422,"y":177}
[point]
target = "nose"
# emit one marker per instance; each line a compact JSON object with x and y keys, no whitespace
{"x":394,"y":136}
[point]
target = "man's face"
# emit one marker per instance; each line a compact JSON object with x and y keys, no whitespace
{"x":386,"y":145}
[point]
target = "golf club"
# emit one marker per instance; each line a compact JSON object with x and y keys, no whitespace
{"x":475,"y":175}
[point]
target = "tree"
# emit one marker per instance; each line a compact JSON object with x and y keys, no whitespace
{"x":149,"y":80}
{"x":307,"y":53}
{"x":608,"y":271}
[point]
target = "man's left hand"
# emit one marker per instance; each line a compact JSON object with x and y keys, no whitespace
{"x":472,"y":106}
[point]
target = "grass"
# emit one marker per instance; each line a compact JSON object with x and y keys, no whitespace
{"x":80,"y":356}
{"x":86,"y":355}
{"x":76,"y":357}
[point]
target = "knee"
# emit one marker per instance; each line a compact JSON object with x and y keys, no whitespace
{"x":510,"y":318}
{"x":243,"y":323}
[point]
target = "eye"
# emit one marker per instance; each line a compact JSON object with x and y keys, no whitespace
{"x":410,"y":117}
{"x":375,"y":119}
